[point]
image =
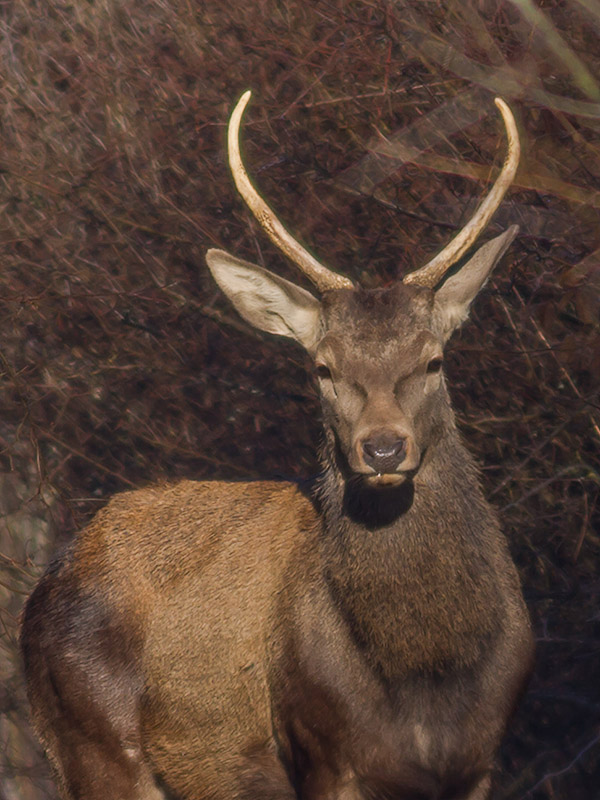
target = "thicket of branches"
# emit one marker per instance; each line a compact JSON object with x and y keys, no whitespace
{"x":373,"y":132}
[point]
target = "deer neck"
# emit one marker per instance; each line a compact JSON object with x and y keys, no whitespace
{"x":409,"y":567}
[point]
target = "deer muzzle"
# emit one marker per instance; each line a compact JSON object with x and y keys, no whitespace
{"x":386,"y":456}
{"x":384,"y":453}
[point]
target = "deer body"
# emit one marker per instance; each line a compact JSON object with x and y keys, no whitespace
{"x":364,"y":640}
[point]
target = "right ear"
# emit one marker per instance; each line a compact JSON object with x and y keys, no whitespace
{"x":453,"y":298}
{"x":267,"y":301}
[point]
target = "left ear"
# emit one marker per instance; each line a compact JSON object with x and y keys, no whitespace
{"x":267,"y":301}
{"x":453,"y":298}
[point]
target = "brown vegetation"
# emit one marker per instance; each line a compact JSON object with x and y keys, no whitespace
{"x":371,"y":131}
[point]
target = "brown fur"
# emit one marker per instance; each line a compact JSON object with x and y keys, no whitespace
{"x":246,"y":640}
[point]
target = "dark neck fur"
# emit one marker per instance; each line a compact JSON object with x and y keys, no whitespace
{"x":409,"y":567}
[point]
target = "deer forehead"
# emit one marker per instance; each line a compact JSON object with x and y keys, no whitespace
{"x":383,"y":333}
{"x":378,"y":307}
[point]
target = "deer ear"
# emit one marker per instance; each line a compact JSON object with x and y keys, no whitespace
{"x":453,"y":298}
{"x":267,"y":301}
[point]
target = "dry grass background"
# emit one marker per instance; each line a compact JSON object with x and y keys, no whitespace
{"x":372,"y":131}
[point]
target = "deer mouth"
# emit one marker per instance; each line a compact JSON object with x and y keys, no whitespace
{"x":388,"y":478}
{"x":387,"y":465}
{"x":376,"y":475}
{"x":386,"y":457}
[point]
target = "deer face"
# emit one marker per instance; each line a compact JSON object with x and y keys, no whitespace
{"x":378,"y":354}
{"x":378,"y":365}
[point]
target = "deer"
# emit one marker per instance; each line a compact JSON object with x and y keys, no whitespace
{"x":359,"y":637}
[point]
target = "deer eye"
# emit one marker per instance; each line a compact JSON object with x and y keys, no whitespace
{"x":434,"y":365}
{"x":323,"y":372}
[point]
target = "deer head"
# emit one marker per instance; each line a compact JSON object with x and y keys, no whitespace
{"x":378,"y":353}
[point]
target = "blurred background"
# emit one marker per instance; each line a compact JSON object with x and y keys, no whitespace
{"x":373,"y":133}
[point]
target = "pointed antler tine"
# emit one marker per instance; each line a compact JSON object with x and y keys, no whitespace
{"x":322,"y":277}
{"x":432,"y":273}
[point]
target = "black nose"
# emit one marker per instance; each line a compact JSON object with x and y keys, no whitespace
{"x":384,"y":453}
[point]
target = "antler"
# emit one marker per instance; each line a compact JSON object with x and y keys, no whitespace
{"x":322,"y":277}
{"x":431,"y":274}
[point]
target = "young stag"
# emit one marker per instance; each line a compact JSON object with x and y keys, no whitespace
{"x":248,"y":641}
